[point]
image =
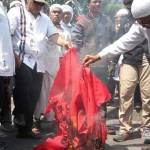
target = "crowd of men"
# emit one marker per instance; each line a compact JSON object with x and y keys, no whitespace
{"x":32,"y":44}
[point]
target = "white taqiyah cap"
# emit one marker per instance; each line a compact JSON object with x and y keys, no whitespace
{"x":140,"y":8}
{"x":67,"y":8}
{"x":54,"y":6}
{"x":122,"y":12}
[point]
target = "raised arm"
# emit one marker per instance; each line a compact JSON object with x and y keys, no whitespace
{"x":127,"y":42}
{"x":56,"y":38}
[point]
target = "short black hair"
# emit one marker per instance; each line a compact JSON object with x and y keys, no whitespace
{"x":88,"y":1}
{"x":127,"y":2}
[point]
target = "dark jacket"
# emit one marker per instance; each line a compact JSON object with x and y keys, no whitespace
{"x":133,"y":57}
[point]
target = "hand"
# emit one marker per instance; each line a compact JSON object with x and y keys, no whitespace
{"x":17,"y":60}
{"x":89,"y":59}
{"x":56,"y":38}
{"x":67,"y":45}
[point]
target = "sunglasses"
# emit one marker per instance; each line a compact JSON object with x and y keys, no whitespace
{"x":38,"y":3}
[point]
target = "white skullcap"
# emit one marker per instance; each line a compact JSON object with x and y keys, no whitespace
{"x":140,"y":8}
{"x":67,"y":8}
{"x":13,"y":3}
{"x":52,"y":7}
{"x":122,"y":12}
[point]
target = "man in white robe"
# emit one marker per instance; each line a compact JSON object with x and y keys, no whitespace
{"x":52,"y":57}
{"x":7,"y":69}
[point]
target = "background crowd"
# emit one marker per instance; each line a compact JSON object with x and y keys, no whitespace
{"x":34,"y":38}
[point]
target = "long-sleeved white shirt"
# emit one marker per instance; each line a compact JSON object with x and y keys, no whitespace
{"x":7,"y":61}
{"x":54,"y":52}
{"x":136,"y":35}
{"x":37,"y":30}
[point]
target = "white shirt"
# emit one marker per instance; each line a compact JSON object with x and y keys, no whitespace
{"x":7,"y":61}
{"x":53,"y":54}
{"x":37,"y":30}
{"x":67,"y":28}
{"x":136,"y":35}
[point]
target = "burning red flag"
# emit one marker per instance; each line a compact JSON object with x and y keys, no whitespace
{"x":76,"y":98}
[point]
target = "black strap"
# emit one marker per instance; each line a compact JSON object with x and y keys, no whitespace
{"x":23,"y":33}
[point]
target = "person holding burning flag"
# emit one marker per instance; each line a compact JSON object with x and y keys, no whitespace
{"x":139,"y":31}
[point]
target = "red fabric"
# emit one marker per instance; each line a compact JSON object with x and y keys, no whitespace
{"x":76,"y":97}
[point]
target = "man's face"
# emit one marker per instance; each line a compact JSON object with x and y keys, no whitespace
{"x":35,"y":7}
{"x":144,"y":21}
{"x":56,"y":15}
{"x":117,"y":23}
{"x":94,"y":6}
{"x":67,"y":17}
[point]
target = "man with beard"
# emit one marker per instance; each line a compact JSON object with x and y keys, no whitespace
{"x":132,"y":62}
{"x":139,"y":31}
{"x":52,"y":57}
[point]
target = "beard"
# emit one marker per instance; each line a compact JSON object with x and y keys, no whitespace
{"x":146,"y":26}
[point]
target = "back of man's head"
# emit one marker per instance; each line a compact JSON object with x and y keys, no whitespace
{"x":127,"y":2}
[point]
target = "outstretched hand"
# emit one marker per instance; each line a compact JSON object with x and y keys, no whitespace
{"x":89,"y":59}
{"x":67,"y":45}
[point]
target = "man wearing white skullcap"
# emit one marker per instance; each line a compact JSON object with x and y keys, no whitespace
{"x":55,"y":6}
{"x":121,"y":13}
{"x":138,"y":32}
{"x":52,"y":57}
{"x":67,"y":18}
